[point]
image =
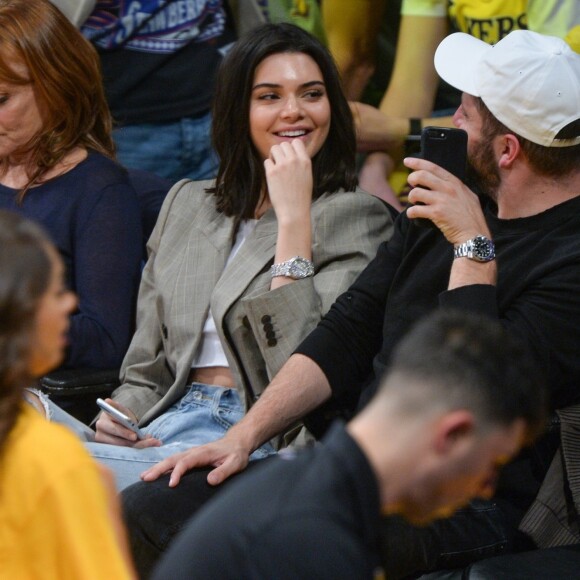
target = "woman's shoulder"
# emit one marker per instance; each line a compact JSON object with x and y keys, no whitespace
{"x":88,"y":178}
{"x":358,"y":199}
{"x":188,"y":196}
{"x":42,"y":460}
{"x":41,"y":441}
{"x":187,"y":203}
{"x":187,"y":190}
{"x":101,"y":169}
{"x":34,"y":444}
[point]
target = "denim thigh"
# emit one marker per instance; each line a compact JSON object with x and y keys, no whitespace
{"x":205,"y":413}
{"x":202,"y":415}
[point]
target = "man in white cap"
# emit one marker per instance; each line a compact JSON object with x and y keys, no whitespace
{"x":511,"y":252}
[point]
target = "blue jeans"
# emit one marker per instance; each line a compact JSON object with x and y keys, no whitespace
{"x":173,"y":150}
{"x":202,"y":415}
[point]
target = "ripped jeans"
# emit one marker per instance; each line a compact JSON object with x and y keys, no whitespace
{"x":204,"y":414}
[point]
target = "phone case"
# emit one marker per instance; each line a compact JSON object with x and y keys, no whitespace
{"x":446,"y":147}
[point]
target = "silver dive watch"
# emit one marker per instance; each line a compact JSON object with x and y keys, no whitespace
{"x":295,"y":268}
{"x":479,"y":248}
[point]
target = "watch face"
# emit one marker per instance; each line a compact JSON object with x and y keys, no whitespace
{"x":299,"y":268}
{"x":483,"y":249}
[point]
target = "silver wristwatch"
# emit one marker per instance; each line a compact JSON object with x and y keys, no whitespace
{"x":479,"y":248}
{"x":294,"y":268}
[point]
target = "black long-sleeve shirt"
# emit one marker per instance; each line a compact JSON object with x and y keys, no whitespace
{"x":537,"y":297}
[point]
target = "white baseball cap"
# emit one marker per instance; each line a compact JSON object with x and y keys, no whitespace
{"x":530,"y":82}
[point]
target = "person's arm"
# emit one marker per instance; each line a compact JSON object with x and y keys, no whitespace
{"x":553,"y":17}
{"x":411,"y":90}
{"x":106,"y":268}
{"x":413,"y":84}
{"x":456,"y":211}
{"x":351,"y":32}
{"x":144,"y":373}
{"x":333,"y":359}
{"x":411,"y":93}
{"x":373,"y":177}
{"x":299,"y":387}
{"x":289,"y":178}
{"x":347,"y":228}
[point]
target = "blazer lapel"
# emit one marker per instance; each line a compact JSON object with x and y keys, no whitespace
{"x":256,"y":253}
{"x":207,"y":248}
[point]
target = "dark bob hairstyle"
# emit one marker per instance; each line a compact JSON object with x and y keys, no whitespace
{"x":241,"y":171}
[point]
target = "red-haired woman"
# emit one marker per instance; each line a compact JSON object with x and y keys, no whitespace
{"x":57,"y":167}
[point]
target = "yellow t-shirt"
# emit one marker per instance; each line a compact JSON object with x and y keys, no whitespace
{"x":54,"y":512}
{"x":491,"y":20}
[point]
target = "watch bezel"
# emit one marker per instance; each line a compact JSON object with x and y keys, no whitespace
{"x":483,"y":249}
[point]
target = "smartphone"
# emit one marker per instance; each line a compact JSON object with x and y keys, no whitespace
{"x":446,"y":147}
{"x":121,"y":418}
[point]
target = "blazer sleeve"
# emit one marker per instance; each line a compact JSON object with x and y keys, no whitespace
{"x":145,"y":374}
{"x":347,"y":230}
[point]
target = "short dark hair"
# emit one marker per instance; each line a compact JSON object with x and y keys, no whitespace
{"x":25,"y":269}
{"x":547,"y":161}
{"x":469,"y":361}
{"x":241,"y":171}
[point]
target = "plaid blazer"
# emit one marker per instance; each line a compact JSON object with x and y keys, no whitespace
{"x":185,"y":276}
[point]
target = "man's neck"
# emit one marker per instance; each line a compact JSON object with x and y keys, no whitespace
{"x":381,"y":440}
{"x":526,"y":195}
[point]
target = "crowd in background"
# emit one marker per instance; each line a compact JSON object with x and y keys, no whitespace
{"x":184,"y":196}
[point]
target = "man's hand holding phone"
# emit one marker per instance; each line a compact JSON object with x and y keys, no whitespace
{"x":117,"y":425}
{"x":447,"y":148}
{"x":439,"y":193}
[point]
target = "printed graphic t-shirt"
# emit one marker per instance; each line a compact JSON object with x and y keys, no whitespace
{"x":159,"y":57}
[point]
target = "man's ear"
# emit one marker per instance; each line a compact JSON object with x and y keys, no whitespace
{"x":509,"y":149}
{"x":452,"y":428}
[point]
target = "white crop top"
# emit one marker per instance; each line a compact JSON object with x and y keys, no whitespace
{"x":210,"y":352}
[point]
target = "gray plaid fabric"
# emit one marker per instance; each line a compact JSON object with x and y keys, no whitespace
{"x":185,"y":275}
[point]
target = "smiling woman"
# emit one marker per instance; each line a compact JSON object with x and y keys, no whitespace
{"x":243,"y":267}
{"x":289,"y":101}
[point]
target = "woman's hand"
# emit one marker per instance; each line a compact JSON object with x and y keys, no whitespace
{"x":112,"y":432}
{"x":447,"y":202}
{"x":290,"y":183}
{"x":289,"y":179}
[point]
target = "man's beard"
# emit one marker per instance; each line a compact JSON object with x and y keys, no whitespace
{"x":482,"y":175}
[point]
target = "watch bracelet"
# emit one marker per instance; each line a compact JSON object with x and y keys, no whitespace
{"x":284,"y":268}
